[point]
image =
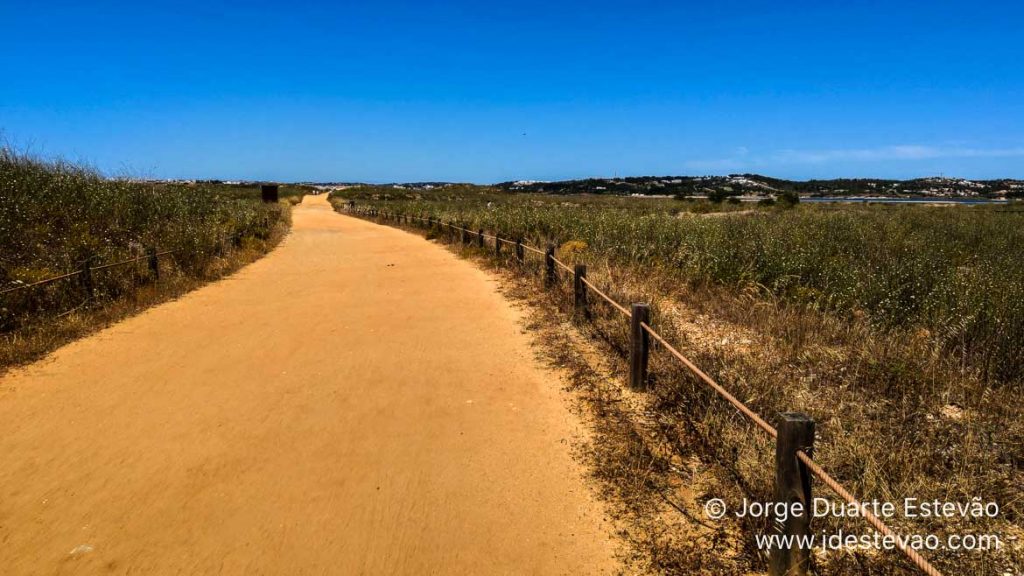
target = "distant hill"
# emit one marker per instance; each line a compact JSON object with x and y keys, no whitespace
{"x":756,"y":185}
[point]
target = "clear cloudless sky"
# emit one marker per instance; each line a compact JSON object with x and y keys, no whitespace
{"x":485,"y":92}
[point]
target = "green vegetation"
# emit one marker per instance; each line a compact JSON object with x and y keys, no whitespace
{"x":898,"y":328}
{"x":55,"y":216}
{"x":956,"y":272}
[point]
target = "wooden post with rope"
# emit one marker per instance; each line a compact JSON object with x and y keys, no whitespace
{"x":86,"y":279}
{"x":154,"y":262}
{"x":639,"y":345}
{"x":792,"y":486}
{"x":549,"y":265}
{"x":579,"y":290}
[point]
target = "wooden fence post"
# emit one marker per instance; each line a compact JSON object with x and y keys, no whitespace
{"x":792,"y":485}
{"x":480,"y":237}
{"x":465,"y":236}
{"x":497,"y":245}
{"x":639,"y":346}
{"x":87,"y":284}
{"x":549,"y":265}
{"x":154,"y":262}
{"x":579,"y":290}
{"x":520,"y":253}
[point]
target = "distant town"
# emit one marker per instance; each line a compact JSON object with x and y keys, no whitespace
{"x":738,"y":185}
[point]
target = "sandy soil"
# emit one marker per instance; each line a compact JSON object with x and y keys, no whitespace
{"x":360,"y":401}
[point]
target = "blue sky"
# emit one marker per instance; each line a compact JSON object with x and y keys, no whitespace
{"x":485,"y":92}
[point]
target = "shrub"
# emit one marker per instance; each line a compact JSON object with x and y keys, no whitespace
{"x":788,"y":199}
{"x":717,"y":196}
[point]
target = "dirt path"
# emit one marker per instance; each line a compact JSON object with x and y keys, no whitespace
{"x":360,"y":401}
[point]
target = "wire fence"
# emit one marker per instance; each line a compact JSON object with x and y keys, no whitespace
{"x":642,"y":325}
{"x":84,"y":273}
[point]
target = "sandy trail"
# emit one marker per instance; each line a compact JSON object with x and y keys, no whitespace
{"x":360,"y":401}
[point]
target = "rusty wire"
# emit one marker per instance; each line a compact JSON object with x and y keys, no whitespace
{"x":836,"y":487}
{"x":95,"y":268}
{"x":606,"y":298}
{"x":121,"y":263}
{"x":815,"y":469}
{"x":563,"y":265}
{"x":40,"y":282}
{"x":768,"y":428}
